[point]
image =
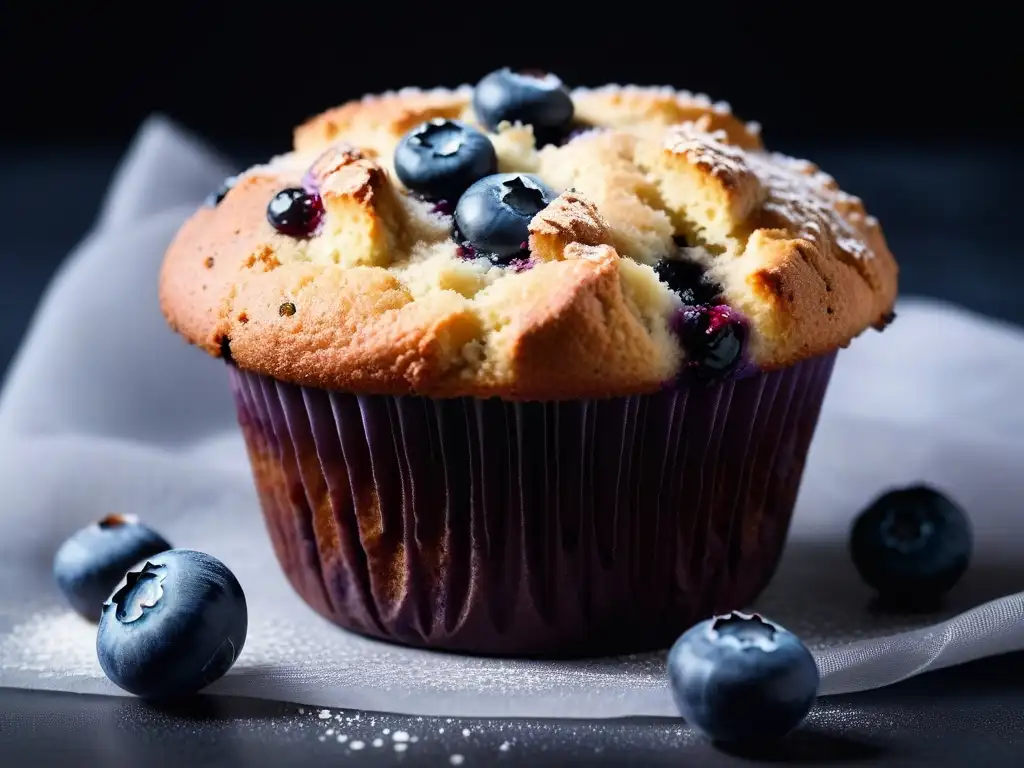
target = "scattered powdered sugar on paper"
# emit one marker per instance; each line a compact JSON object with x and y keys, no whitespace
{"x":355,"y":732}
{"x":59,"y":643}
{"x":52,"y":644}
{"x":305,"y":661}
{"x":349,"y":735}
{"x":328,"y":656}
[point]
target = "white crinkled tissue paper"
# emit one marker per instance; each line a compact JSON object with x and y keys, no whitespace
{"x":105,"y":409}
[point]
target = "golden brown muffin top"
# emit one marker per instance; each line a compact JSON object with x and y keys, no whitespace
{"x":381,"y":298}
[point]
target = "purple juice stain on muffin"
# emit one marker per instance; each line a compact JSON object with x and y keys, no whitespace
{"x":466,"y":251}
{"x":441,"y":207}
{"x":521,"y":265}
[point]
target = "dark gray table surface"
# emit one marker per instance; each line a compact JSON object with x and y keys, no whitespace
{"x":951,"y":218}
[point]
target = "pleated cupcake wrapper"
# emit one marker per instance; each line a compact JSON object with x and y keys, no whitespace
{"x":559,"y":528}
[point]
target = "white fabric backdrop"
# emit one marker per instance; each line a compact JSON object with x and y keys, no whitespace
{"x":105,"y":409}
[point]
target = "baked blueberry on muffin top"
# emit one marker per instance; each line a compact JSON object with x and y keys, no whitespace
{"x":427,"y":243}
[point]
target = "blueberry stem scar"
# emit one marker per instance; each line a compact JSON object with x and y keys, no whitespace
{"x":141,"y":590}
{"x":436,"y":136}
{"x":906,"y":529}
{"x":525,"y":199}
{"x":735,"y":628}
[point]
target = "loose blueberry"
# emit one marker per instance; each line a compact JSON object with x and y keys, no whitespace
{"x":493,"y":216}
{"x":742,"y":679}
{"x":442,"y":158}
{"x":296,"y":212}
{"x":93,"y":560}
{"x":688,"y":279}
{"x":713,"y":338}
{"x":912,"y":545}
{"x":214,"y":198}
{"x":536,"y":99}
{"x":175,"y":624}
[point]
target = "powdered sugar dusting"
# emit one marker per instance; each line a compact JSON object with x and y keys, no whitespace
{"x":52,"y":644}
{"x":315,"y":655}
{"x":303,"y":658}
{"x":806,"y":198}
{"x":483,"y":741}
{"x":709,"y":151}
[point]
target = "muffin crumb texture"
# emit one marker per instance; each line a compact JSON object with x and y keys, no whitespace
{"x":562,"y":274}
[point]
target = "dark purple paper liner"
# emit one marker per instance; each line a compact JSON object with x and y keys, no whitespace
{"x":554,"y":529}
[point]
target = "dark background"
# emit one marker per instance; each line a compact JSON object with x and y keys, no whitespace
{"x":826,"y":72}
{"x":916,"y":108}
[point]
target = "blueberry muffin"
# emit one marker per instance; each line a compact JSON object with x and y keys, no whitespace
{"x":523,"y":370}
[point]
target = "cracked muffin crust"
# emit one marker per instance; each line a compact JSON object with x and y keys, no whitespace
{"x":320,"y":268}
